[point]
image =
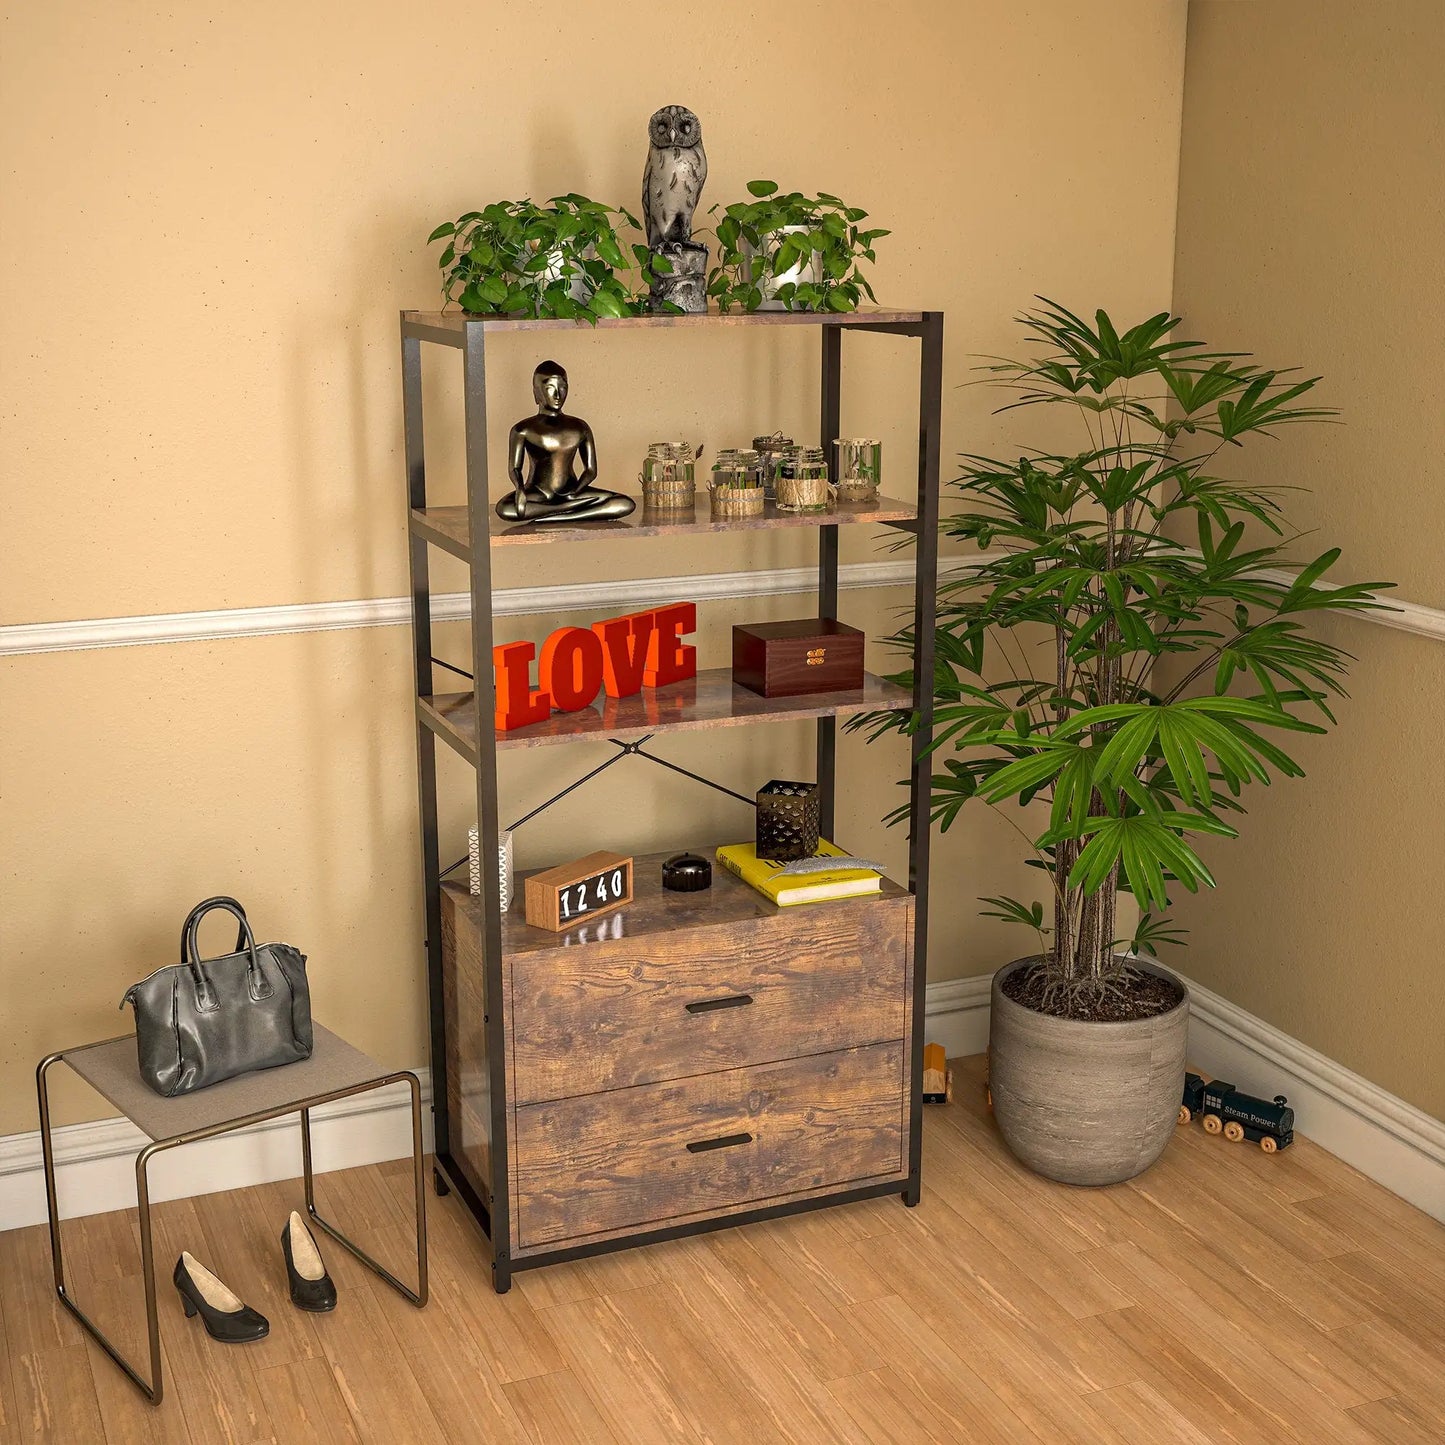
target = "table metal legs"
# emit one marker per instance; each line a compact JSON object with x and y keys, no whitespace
{"x":418,"y":1296}
{"x":154,"y":1388}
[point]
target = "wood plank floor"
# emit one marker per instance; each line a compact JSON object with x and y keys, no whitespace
{"x":1223,"y":1297}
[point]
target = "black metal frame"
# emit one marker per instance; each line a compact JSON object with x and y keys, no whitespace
{"x":491,"y":1207}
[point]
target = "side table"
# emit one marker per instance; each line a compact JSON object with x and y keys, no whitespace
{"x":335,"y":1070}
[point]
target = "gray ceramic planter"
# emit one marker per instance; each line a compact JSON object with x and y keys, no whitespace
{"x":1085,"y":1103}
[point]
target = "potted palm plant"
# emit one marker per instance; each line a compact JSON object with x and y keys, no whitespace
{"x":1120,"y":658}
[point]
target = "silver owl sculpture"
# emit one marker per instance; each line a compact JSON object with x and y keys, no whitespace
{"x":672,"y":180}
{"x":671,"y":187}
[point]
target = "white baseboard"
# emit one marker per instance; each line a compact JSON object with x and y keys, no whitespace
{"x":1380,"y":1135}
{"x":957,"y":1013}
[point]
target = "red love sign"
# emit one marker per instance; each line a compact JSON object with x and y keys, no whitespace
{"x":620,"y":654}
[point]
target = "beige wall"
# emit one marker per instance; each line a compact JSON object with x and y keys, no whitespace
{"x":1310,"y":217}
{"x":212,"y":217}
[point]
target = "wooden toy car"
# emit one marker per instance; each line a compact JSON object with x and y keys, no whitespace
{"x":1237,"y":1115}
{"x":937,"y":1076}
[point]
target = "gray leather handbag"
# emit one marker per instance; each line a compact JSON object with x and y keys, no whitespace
{"x":197,"y":1022}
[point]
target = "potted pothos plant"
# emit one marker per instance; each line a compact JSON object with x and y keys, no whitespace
{"x":1120,"y":658}
{"x":521,"y":259}
{"x":788,"y":251}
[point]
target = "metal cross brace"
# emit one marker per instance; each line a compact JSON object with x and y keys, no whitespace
{"x":628,"y":750}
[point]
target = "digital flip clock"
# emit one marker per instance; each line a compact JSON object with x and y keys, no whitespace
{"x":620,"y":654}
{"x":572,"y":892}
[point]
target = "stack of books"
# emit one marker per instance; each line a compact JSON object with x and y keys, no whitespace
{"x":787,"y":888}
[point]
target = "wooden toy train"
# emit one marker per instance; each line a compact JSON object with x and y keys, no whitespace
{"x":1238,"y":1115}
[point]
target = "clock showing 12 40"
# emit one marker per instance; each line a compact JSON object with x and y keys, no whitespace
{"x":559,"y":897}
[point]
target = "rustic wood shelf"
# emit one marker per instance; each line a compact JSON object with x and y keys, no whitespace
{"x":450,"y":529}
{"x":702,"y":1059}
{"x":710,"y":700}
{"x":448,"y":328}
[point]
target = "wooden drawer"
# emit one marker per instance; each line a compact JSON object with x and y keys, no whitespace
{"x":644,"y":1156}
{"x":691,"y":1001}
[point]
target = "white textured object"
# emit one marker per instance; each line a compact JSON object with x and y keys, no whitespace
{"x":504,"y":863}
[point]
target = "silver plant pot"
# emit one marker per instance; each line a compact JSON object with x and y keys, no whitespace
{"x":580,"y":287}
{"x":809,"y":270}
{"x":1086,"y":1103}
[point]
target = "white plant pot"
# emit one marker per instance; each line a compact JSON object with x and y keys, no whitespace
{"x":809,"y":270}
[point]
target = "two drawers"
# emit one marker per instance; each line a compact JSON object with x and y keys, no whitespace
{"x":708,"y":1069}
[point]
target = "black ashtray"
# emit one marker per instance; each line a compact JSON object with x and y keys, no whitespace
{"x":686,"y":873}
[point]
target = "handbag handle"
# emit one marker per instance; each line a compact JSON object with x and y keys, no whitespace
{"x":190,"y":951}
{"x":201,"y":908}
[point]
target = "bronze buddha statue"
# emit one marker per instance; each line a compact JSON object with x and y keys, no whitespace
{"x":552,"y":441}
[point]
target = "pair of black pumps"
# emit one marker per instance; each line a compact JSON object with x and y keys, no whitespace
{"x":227,"y":1317}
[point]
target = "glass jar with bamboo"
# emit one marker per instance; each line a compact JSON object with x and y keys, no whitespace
{"x":858,"y":472}
{"x":668,"y":477}
{"x":736,"y":485}
{"x":802,"y":483}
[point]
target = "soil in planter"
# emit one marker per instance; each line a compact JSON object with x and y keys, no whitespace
{"x":1134,"y":995}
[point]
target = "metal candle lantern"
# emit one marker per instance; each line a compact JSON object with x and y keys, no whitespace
{"x":767,"y":448}
{"x":859,"y":470}
{"x":789,"y":818}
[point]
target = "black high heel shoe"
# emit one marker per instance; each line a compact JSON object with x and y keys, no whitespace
{"x":311,"y":1286}
{"x":226,"y":1317}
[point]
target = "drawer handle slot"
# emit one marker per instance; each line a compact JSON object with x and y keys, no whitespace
{"x":701,"y":1146}
{"x":706,"y":1005}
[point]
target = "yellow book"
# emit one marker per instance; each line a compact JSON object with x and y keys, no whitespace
{"x":784,"y":889}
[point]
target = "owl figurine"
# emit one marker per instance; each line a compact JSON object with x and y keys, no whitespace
{"x":672,"y":180}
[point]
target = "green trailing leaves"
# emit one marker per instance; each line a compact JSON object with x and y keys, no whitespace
{"x":565,"y":259}
{"x":571,"y":258}
{"x":770,"y":237}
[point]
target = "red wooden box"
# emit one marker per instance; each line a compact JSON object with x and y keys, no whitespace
{"x":808,"y":654}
